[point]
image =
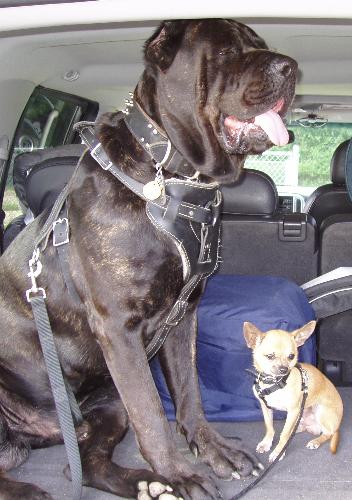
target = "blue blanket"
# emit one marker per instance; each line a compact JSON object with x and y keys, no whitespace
{"x":223,"y":356}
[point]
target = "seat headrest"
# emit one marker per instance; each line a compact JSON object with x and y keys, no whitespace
{"x":254,"y":193}
{"x":338,"y":163}
{"x":31,"y":179}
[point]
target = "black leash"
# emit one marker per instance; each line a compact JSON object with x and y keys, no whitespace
{"x":268,"y":469}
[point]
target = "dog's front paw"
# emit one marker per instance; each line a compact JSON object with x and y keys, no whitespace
{"x":225,"y":456}
{"x":156,"y":489}
{"x":273,"y":456}
{"x":313,"y":444}
{"x":264,"y":445}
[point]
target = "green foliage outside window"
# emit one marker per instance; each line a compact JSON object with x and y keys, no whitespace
{"x":316,"y":147}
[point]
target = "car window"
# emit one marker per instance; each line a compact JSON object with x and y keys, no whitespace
{"x":303,"y":165}
{"x":47,"y":121}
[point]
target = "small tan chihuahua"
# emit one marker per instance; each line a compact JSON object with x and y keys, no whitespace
{"x":279,"y":385}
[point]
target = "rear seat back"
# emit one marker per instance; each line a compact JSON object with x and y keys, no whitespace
{"x":335,"y":243}
{"x":258,"y":241}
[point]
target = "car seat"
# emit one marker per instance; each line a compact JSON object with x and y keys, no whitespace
{"x":38,"y":178}
{"x":333,"y":198}
{"x":258,"y":239}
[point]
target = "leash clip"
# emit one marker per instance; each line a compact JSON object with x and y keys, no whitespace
{"x":35,"y":269}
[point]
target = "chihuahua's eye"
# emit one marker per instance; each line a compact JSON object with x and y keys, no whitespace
{"x":270,"y":356}
{"x":291,"y":357}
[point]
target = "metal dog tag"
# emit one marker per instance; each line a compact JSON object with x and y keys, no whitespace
{"x":152,"y":190}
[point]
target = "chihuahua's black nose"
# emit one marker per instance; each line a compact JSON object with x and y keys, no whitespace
{"x":283,"y":370}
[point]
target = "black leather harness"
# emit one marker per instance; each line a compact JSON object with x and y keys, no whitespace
{"x":188,"y":212}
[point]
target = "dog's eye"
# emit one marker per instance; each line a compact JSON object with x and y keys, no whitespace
{"x":225,"y":52}
{"x":270,"y":356}
{"x":291,"y":357}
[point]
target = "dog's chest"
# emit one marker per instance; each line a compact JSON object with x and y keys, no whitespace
{"x":278,"y":400}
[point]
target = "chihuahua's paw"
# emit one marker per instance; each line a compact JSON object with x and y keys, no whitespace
{"x":264,"y":446}
{"x":273,"y":456}
{"x":313,"y":444}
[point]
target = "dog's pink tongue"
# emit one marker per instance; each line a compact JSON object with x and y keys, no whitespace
{"x":273,"y":126}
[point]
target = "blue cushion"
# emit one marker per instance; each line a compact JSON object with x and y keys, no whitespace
{"x":223,"y":356}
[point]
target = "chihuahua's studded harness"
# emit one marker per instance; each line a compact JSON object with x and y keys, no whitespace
{"x":276,"y":383}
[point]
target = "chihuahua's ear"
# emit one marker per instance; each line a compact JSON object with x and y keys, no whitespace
{"x":252,"y":334}
{"x":302,"y":334}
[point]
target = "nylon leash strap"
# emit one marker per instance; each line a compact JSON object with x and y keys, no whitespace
{"x":65,"y":402}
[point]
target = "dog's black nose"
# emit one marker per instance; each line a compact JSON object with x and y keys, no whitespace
{"x":283,"y":370}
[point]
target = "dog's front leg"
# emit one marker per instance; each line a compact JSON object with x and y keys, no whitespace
{"x":266,"y":442}
{"x":127,"y":362}
{"x":178,"y":359}
{"x":291,"y":419}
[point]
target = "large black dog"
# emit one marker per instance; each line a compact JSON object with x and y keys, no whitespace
{"x":218,"y":93}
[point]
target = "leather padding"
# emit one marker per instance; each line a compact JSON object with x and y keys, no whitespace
{"x":254,"y":193}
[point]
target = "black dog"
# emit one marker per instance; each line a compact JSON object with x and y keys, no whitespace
{"x":217,"y":92}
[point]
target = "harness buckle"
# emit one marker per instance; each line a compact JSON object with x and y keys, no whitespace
{"x":60,"y":232}
{"x":100,"y":156}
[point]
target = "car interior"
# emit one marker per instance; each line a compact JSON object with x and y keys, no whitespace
{"x":288,"y":216}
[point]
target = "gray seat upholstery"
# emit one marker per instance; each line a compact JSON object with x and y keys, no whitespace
{"x":335,"y":243}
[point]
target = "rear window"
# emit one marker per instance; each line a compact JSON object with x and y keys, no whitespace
{"x":303,"y":165}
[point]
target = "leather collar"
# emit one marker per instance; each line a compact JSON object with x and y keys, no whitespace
{"x":155,"y":141}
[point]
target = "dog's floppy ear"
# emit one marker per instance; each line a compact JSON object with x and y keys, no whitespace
{"x":161,"y":48}
{"x":252,"y":334}
{"x":302,"y":334}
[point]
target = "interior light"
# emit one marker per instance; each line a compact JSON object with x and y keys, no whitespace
{"x":71,"y":76}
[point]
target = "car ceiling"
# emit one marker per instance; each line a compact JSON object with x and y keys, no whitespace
{"x":102,"y":42}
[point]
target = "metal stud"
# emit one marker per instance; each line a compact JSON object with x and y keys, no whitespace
{"x":150,"y":125}
{"x":155,"y":131}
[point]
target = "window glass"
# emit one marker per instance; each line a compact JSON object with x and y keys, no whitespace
{"x":47,"y":121}
{"x":303,"y":165}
